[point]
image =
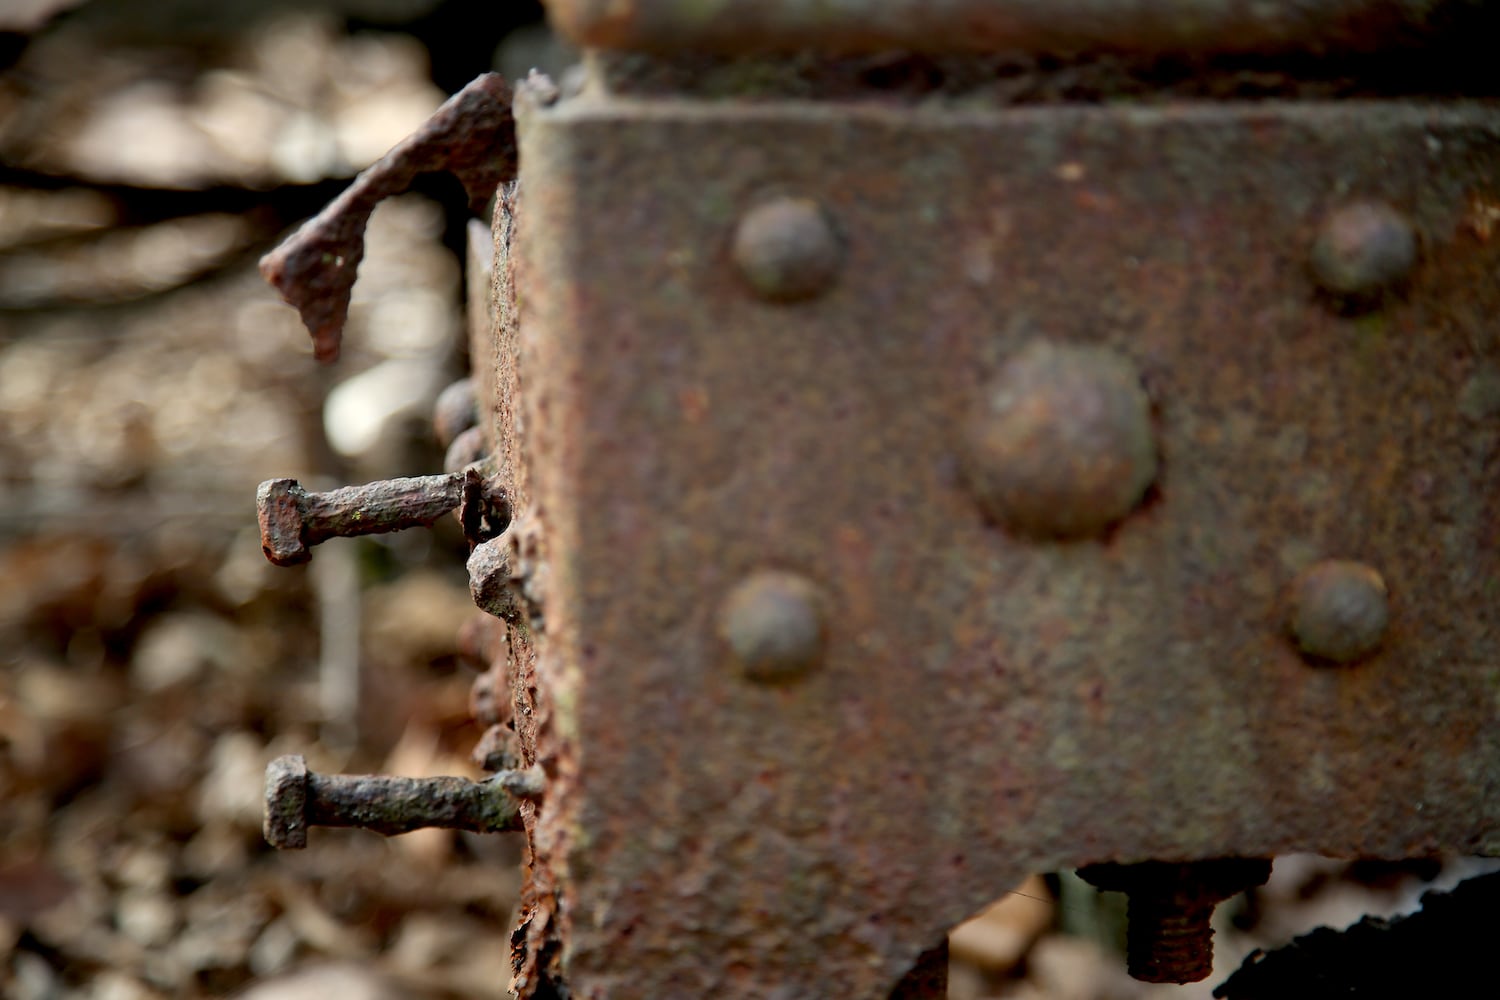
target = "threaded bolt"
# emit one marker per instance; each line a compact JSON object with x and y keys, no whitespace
{"x":1170,"y":935}
{"x":1169,"y":940}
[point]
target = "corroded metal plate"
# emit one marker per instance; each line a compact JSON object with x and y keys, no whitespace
{"x":984,"y":701}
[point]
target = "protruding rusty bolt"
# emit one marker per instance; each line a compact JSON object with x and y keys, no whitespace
{"x":297,"y":798}
{"x":1170,"y":938}
{"x":1339,"y":611}
{"x":787,"y":250}
{"x":774,"y":625}
{"x":1363,"y":250}
{"x":293,"y":520}
{"x":456,"y":410}
{"x":1060,"y":443}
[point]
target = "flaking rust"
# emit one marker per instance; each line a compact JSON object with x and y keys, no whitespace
{"x":472,"y":137}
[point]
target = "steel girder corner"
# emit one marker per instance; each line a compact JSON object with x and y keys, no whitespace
{"x":931,"y":694}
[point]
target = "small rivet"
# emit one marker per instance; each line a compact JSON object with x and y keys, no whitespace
{"x":1339,"y":611}
{"x":1363,"y":250}
{"x":773,"y":622}
{"x":1060,"y":444}
{"x":786,"y":249}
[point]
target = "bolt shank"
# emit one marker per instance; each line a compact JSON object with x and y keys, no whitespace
{"x":375,"y":508}
{"x":297,"y":799}
{"x":390,"y":806}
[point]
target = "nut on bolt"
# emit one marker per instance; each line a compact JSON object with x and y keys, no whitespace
{"x":1169,"y":937}
{"x":1060,"y":443}
{"x":1339,"y":611}
{"x":787,"y":250}
{"x":297,"y":798}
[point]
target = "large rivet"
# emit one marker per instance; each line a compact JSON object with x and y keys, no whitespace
{"x":1060,"y":443}
{"x":1363,"y":250}
{"x":773,"y":622}
{"x":787,"y":250}
{"x":1339,"y":611}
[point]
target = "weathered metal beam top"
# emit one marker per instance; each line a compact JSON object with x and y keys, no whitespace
{"x":1071,"y":26}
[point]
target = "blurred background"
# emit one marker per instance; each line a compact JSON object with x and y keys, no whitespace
{"x":152,"y":661}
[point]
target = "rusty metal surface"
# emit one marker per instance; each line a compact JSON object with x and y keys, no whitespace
{"x":1170,"y":934}
{"x":983,"y":703}
{"x":472,"y":137}
{"x":495,"y":351}
{"x":1182,"y":26}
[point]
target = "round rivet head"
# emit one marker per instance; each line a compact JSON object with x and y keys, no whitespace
{"x":1363,"y":250}
{"x":786,"y":250}
{"x":1339,"y":611}
{"x":1060,"y":443}
{"x":773,"y":623}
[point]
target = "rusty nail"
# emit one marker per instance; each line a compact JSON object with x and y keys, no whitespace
{"x":293,"y":520}
{"x":774,"y":624}
{"x":490,"y":579}
{"x":297,"y":799}
{"x":1061,"y":443}
{"x":1363,"y":250}
{"x":787,"y":250}
{"x":1339,"y":611}
{"x":455,"y":411}
{"x":1169,"y":937}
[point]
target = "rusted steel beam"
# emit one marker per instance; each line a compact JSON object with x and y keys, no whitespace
{"x":1065,"y":26}
{"x":814,"y":675}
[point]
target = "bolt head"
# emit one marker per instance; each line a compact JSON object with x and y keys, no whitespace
{"x":787,"y":251}
{"x":773,"y":623}
{"x":1060,"y":442}
{"x":285,"y":824}
{"x":1362,"y":251}
{"x":278,"y":506}
{"x":1339,"y":611}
